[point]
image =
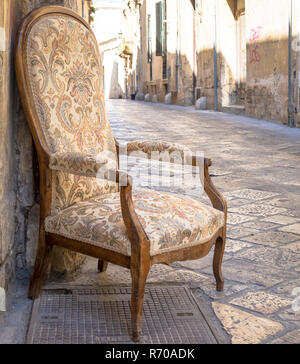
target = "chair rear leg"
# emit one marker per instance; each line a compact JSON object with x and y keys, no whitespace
{"x":217,"y":263}
{"x":102,"y":266}
{"x":139,"y":277}
{"x":42,"y":262}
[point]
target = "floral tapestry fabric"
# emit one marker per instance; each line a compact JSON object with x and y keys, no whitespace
{"x":177,"y":151}
{"x":68,"y":189}
{"x":171,"y":221}
{"x":65,"y":76}
{"x":78,"y":163}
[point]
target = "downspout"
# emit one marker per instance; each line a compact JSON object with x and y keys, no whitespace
{"x":215,"y":57}
{"x":194,"y":52}
{"x":177,"y":47}
{"x":291,"y":119}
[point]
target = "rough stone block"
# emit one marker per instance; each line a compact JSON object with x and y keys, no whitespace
{"x":201,"y":104}
{"x":147,"y":98}
{"x":155,"y":99}
{"x":140,"y":96}
{"x":168,"y":99}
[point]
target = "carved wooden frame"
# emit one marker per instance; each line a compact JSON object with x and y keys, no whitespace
{"x":140,"y":260}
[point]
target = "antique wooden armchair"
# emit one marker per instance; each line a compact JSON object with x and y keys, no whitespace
{"x":60,"y":79}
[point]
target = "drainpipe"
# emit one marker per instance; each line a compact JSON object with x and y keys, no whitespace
{"x":177,"y":47}
{"x":291,"y":119}
{"x":215,"y":56}
{"x":194,"y":53}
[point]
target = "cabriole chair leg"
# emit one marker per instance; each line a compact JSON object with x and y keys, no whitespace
{"x":102,"y":266}
{"x":217,"y":263}
{"x":139,"y":278}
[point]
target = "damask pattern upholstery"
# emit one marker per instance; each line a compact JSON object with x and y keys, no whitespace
{"x":78,"y":163}
{"x":178,"y":153}
{"x":171,"y":221}
{"x":66,"y":79}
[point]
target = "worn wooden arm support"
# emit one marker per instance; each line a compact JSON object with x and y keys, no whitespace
{"x":140,"y":244}
{"x":217,"y":199}
{"x":148,"y":147}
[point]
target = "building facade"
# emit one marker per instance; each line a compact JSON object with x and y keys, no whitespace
{"x":109,"y":28}
{"x":168,"y":51}
{"x":239,"y":56}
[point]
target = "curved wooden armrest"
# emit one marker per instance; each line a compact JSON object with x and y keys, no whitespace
{"x":217,"y":199}
{"x":140,"y":244}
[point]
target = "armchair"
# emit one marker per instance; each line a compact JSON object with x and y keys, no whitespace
{"x":60,"y":79}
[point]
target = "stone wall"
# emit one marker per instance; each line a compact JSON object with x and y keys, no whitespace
{"x":7,"y":147}
{"x":267,"y":60}
{"x":19,"y":192}
{"x":296,"y":61}
{"x":266,"y":84}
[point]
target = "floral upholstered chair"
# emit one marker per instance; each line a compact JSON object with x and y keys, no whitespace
{"x":60,"y":77}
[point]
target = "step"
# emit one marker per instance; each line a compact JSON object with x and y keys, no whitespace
{"x":234,"y":109}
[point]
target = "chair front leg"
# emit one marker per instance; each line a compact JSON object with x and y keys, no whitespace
{"x":102,"y":266}
{"x":218,"y":259}
{"x":139,"y":277}
{"x":140,"y":257}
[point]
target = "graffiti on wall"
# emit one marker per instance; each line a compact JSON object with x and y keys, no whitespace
{"x":255,"y":34}
{"x":254,"y":54}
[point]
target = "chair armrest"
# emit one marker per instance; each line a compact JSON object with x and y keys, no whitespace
{"x":148,"y":147}
{"x":187,"y":157}
{"x":217,"y":199}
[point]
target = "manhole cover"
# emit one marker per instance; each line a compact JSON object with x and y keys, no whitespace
{"x":102,"y":316}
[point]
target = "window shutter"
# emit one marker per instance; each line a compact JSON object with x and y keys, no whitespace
{"x":149,"y":35}
{"x":159,"y":29}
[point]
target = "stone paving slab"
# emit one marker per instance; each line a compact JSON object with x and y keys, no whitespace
{"x":272,"y":238}
{"x":245,"y":328}
{"x":262,"y":256}
{"x":290,"y":338}
{"x":261,"y":302}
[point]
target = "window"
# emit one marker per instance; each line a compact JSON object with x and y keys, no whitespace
{"x":160,"y":28}
{"x":149,"y":39}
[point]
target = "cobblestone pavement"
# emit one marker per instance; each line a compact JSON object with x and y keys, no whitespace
{"x":256,"y":165}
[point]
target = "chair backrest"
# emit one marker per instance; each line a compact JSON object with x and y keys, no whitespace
{"x":63,"y":88}
{"x":60,"y":78}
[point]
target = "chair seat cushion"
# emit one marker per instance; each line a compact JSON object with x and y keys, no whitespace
{"x":171,"y":221}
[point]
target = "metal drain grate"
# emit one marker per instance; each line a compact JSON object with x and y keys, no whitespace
{"x":102,"y":316}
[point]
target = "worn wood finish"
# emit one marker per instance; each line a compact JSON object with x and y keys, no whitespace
{"x":140,"y":261}
{"x":102,"y":266}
